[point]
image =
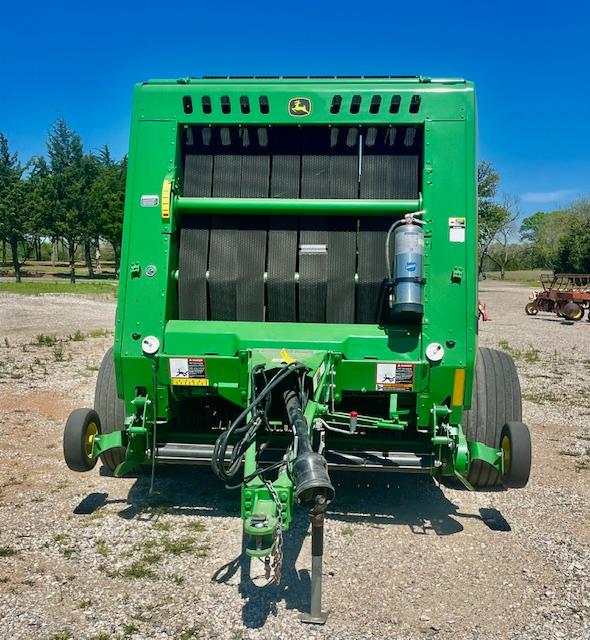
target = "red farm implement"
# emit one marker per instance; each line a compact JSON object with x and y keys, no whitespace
{"x":566,"y":294}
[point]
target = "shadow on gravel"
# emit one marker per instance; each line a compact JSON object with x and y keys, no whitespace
{"x":382,"y":499}
{"x":377,"y":499}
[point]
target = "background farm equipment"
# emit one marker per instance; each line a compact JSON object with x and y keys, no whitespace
{"x":299,"y":295}
{"x":565,"y":294}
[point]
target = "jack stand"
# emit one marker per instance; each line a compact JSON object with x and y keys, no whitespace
{"x":316,"y":515}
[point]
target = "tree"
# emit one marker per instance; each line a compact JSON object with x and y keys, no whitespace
{"x":71,"y":176}
{"x":491,"y":216}
{"x":509,"y":212}
{"x":108,"y":198}
{"x":14,"y":222}
{"x":573,"y":254}
{"x":543,"y":233}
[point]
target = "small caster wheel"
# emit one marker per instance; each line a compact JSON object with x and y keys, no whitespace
{"x":81,"y":428}
{"x":531,"y":309}
{"x":515,"y":443}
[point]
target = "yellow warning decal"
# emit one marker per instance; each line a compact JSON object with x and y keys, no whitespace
{"x":190,"y":382}
{"x":166,"y":192}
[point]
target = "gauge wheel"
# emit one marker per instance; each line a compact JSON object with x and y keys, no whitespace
{"x":81,"y":429}
{"x":515,"y":443}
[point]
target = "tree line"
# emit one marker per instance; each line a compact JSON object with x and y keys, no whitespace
{"x":69,"y":197}
{"x":557,"y":241}
{"x":75,"y":199}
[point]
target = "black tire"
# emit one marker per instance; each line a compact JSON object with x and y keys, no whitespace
{"x":109,"y":407}
{"x":496,"y":400}
{"x":573,"y":311}
{"x":81,"y":427}
{"x":531,"y":309}
{"x":516,"y":444}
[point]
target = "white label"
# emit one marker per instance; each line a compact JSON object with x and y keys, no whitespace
{"x":456,"y":229}
{"x":391,"y":376}
{"x":178,"y":367}
{"x":456,"y":235}
{"x":150,"y":201}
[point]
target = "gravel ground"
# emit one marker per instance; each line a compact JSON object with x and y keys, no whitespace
{"x":94,"y":557}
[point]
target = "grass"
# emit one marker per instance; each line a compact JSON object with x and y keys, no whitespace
{"x":40,"y":288}
{"x":137,"y":569}
{"x":162,"y":526}
{"x":78,"y":336}
{"x":530,"y":355}
{"x":178,"y":547}
{"x":530,"y":278}
{"x":43,"y":340}
{"x":99,"y":333}
{"x":129,"y":629}
{"x":196,"y":527}
{"x":59,"y":353}
{"x":7,"y":552}
{"x":102,"y":548}
{"x":540,"y":398}
{"x":346,"y":531}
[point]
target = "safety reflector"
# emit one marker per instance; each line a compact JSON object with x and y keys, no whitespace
{"x":166,"y":189}
{"x":458,"y":388}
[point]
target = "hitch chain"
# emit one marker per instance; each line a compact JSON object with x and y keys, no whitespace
{"x":277,"y":546}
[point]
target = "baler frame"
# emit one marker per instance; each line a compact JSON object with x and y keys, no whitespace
{"x":386,"y":384}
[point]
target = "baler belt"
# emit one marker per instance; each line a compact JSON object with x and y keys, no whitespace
{"x":192,"y":266}
{"x":198,"y":161}
{"x":313,"y":270}
{"x":390,"y":163}
{"x":285,"y":144}
{"x":326,"y":252}
{"x":315,"y":162}
{"x":223,"y":267}
{"x":307,"y":162}
{"x":371,"y":267}
{"x":282,"y":265}
{"x":341,"y":269}
{"x":250,"y":261}
{"x":255,"y":177}
{"x":344,"y":162}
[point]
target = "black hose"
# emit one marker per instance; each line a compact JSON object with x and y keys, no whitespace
{"x":248,"y":431}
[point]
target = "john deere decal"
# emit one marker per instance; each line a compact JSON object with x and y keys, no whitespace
{"x":299,"y":107}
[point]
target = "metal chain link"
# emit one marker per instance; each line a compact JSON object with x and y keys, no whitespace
{"x":277,"y":547}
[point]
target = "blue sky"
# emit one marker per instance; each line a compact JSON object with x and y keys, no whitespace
{"x":530,"y":61}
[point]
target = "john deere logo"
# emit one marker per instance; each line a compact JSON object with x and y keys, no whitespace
{"x":299,"y":107}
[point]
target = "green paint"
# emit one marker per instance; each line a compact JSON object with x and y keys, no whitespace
{"x":343,"y":358}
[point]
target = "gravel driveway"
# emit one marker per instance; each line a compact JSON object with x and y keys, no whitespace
{"x":94,"y":557}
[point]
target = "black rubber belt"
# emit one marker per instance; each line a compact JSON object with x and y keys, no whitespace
{"x":285,"y":145}
{"x":385,"y":175}
{"x":340,"y":295}
{"x":343,"y":162}
{"x":255,"y":163}
{"x":198,"y":162}
{"x":227,"y":163}
{"x":315,"y":162}
{"x":281,"y":268}
{"x":250,"y":261}
{"x":371,"y":267}
{"x":223,"y":266}
{"x":313,"y":269}
{"x":192,"y":266}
